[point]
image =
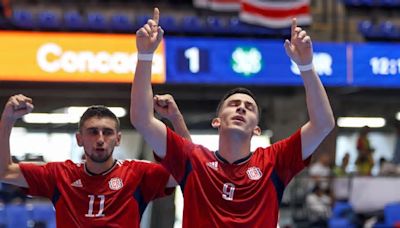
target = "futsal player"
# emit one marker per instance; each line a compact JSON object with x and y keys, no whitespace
{"x":99,"y":192}
{"x":232,"y":187}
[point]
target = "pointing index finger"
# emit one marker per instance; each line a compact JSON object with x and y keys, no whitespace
{"x":294,"y":25}
{"x":156,"y":15}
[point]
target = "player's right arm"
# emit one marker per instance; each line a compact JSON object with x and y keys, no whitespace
{"x":142,"y":111}
{"x":166,"y":107}
{"x":16,"y":107}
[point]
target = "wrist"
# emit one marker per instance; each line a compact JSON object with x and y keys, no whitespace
{"x":7,"y":122}
{"x":175,"y":118}
{"x":145,"y":56}
{"x":306,"y":67}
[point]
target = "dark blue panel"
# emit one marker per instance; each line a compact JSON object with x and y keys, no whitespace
{"x":241,"y":61}
{"x":188,"y":170}
{"x":140,"y":201}
{"x":56,"y":196}
{"x":376,"y":65}
{"x":279,"y":186}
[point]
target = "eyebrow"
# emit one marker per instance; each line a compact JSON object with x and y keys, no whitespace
{"x":234,"y":101}
{"x":96,"y":128}
{"x":238,"y":100}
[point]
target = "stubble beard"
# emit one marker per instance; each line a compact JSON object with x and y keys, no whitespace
{"x":97,"y":159}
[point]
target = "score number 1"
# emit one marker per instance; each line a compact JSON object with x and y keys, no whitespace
{"x":193,"y":60}
{"x":192,"y":54}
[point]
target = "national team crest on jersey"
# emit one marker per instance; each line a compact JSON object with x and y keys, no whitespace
{"x":254,"y":173}
{"x":115,"y":183}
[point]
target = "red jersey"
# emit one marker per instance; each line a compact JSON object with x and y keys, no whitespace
{"x":116,"y":198}
{"x":244,"y":194}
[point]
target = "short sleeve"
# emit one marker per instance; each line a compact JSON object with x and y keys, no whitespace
{"x":177,"y":158}
{"x":40,"y":178}
{"x":287,"y":154}
{"x":154,"y":182}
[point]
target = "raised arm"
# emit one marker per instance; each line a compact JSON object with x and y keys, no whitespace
{"x":321,"y":122}
{"x":141,"y":112}
{"x":166,"y":106}
{"x":15,"y":108}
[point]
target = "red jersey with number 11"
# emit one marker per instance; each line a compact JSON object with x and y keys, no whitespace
{"x":116,"y":198}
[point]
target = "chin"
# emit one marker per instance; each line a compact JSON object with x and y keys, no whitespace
{"x":99,"y":159}
{"x":237,"y":130}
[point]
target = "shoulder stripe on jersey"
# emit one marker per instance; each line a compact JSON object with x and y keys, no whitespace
{"x":188,"y":169}
{"x":278,"y":184}
{"x":140,"y":200}
{"x":55,"y":197}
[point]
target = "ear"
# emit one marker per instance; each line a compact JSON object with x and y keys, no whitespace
{"x":257,"y":131}
{"x":216,"y":122}
{"x":119,"y":135}
{"x":79,"y":139}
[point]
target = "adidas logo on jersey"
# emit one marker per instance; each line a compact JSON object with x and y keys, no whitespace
{"x":213,"y":165}
{"x":77,"y":183}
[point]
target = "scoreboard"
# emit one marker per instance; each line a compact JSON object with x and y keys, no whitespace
{"x":238,"y":61}
{"x":264,"y":62}
{"x":105,"y":58}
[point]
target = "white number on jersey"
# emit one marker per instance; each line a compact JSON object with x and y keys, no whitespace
{"x":91,"y":203}
{"x":227,"y":191}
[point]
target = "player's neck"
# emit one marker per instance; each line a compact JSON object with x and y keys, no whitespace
{"x":233,"y":148}
{"x":95,"y":168}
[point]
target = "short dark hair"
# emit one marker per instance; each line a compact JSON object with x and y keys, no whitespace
{"x":235,"y":91}
{"x":99,"y":111}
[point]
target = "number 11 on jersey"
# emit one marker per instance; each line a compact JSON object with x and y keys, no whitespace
{"x":92,"y":198}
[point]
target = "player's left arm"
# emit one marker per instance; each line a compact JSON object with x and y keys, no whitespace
{"x":321,"y":121}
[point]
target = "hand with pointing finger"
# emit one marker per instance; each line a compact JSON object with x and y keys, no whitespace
{"x":299,"y":48}
{"x":149,"y":36}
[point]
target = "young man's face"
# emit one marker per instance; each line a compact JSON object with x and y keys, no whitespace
{"x":99,"y":136}
{"x":238,"y":112}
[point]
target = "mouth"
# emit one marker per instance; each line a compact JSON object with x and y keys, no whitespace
{"x":100,"y":150}
{"x":239,"y":118}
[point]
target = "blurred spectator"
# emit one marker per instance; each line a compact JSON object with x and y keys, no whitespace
{"x":364,"y":162}
{"x":5,"y":8}
{"x":321,"y":167}
{"x":11,"y":194}
{"x":340,"y":171}
{"x":396,"y":155}
{"x":386,"y":168}
{"x":318,"y":204}
{"x":320,"y":171}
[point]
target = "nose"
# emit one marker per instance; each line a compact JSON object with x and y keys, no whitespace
{"x":100,"y":139}
{"x":241,"y":109}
